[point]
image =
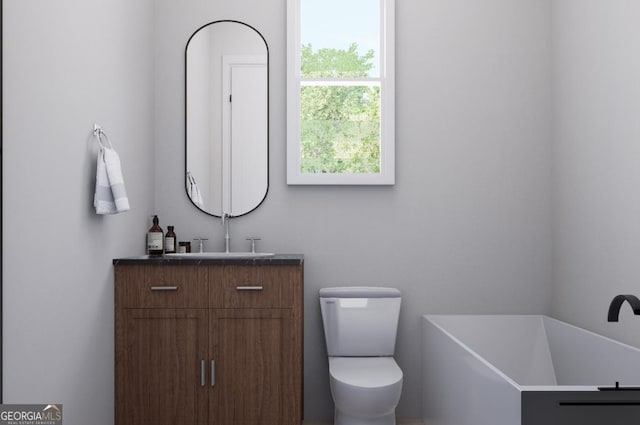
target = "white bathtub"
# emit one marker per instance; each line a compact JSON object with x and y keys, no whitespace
{"x":524,"y":370}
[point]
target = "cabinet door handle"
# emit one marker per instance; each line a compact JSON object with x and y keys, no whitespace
{"x":249,"y":288}
{"x":202,"y":374}
{"x":164,"y":288}
{"x":213,"y":372}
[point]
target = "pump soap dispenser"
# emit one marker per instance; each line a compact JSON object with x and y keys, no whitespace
{"x":155,"y":238}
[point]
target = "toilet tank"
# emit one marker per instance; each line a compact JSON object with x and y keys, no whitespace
{"x":360,"y":321}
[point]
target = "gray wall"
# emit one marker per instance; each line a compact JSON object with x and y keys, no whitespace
{"x":67,"y":65}
{"x":597,"y":162}
{"x":467,"y":226}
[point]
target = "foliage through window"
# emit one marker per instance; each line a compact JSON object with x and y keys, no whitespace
{"x":340,"y":92}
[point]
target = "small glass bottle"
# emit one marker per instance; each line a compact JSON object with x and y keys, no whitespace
{"x":155,"y":238}
{"x":170,"y":241}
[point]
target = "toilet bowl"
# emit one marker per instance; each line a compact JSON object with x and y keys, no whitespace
{"x":360,"y":326}
{"x":365,"y":390}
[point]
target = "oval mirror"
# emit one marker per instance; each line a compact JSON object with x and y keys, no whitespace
{"x":227,"y":118}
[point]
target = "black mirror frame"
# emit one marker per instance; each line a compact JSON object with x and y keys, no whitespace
{"x":268,"y":114}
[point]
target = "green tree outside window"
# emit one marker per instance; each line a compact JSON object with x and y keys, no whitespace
{"x":339,"y":124}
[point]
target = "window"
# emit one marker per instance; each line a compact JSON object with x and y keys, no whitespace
{"x":340,"y":92}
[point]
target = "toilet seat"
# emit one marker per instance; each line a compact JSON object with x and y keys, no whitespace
{"x":365,"y":372}
{"x":365,"y":390}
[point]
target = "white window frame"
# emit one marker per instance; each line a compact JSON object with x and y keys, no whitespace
{"x":386,"y":79}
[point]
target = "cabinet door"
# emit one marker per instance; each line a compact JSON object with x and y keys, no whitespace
{"x":252,"y":353}
{"x":160,"y":360}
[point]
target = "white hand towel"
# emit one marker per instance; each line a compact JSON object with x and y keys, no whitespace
{"x":194,"y":190}
{"x":110,"y":196}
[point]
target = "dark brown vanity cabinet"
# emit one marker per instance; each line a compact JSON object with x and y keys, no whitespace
{"x":217,"y":344}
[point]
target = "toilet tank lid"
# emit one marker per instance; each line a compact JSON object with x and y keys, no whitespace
{"x":359,"y":292}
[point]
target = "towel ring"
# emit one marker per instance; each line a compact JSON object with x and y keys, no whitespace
{"x":99,"y":134}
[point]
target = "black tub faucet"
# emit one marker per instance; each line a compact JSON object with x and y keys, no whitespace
{"x":616,"y":303}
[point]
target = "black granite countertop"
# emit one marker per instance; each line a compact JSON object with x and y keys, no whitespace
{"x":281,"y":259}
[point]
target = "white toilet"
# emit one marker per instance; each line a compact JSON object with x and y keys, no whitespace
{"x":360,"y":325}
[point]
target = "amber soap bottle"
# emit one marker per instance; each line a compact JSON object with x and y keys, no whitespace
{"x":170,"y":241}
{"x":155,"y":238}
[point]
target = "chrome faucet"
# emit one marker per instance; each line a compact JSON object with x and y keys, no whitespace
{"x":227,"y":238}
{"x":616,"y":304}
{"x":200,"y":243}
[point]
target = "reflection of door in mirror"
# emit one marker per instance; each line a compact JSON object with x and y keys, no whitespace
{"x":227,"y":118}
{"x":244,"y":145}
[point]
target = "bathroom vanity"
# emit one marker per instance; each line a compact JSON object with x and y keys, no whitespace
{"x":215,"y":341}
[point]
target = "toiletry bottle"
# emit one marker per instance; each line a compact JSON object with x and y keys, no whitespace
{"x":155,"y":238}
{"x":170,"y":241}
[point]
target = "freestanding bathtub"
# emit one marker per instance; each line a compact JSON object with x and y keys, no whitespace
{"x":525,"y":370}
